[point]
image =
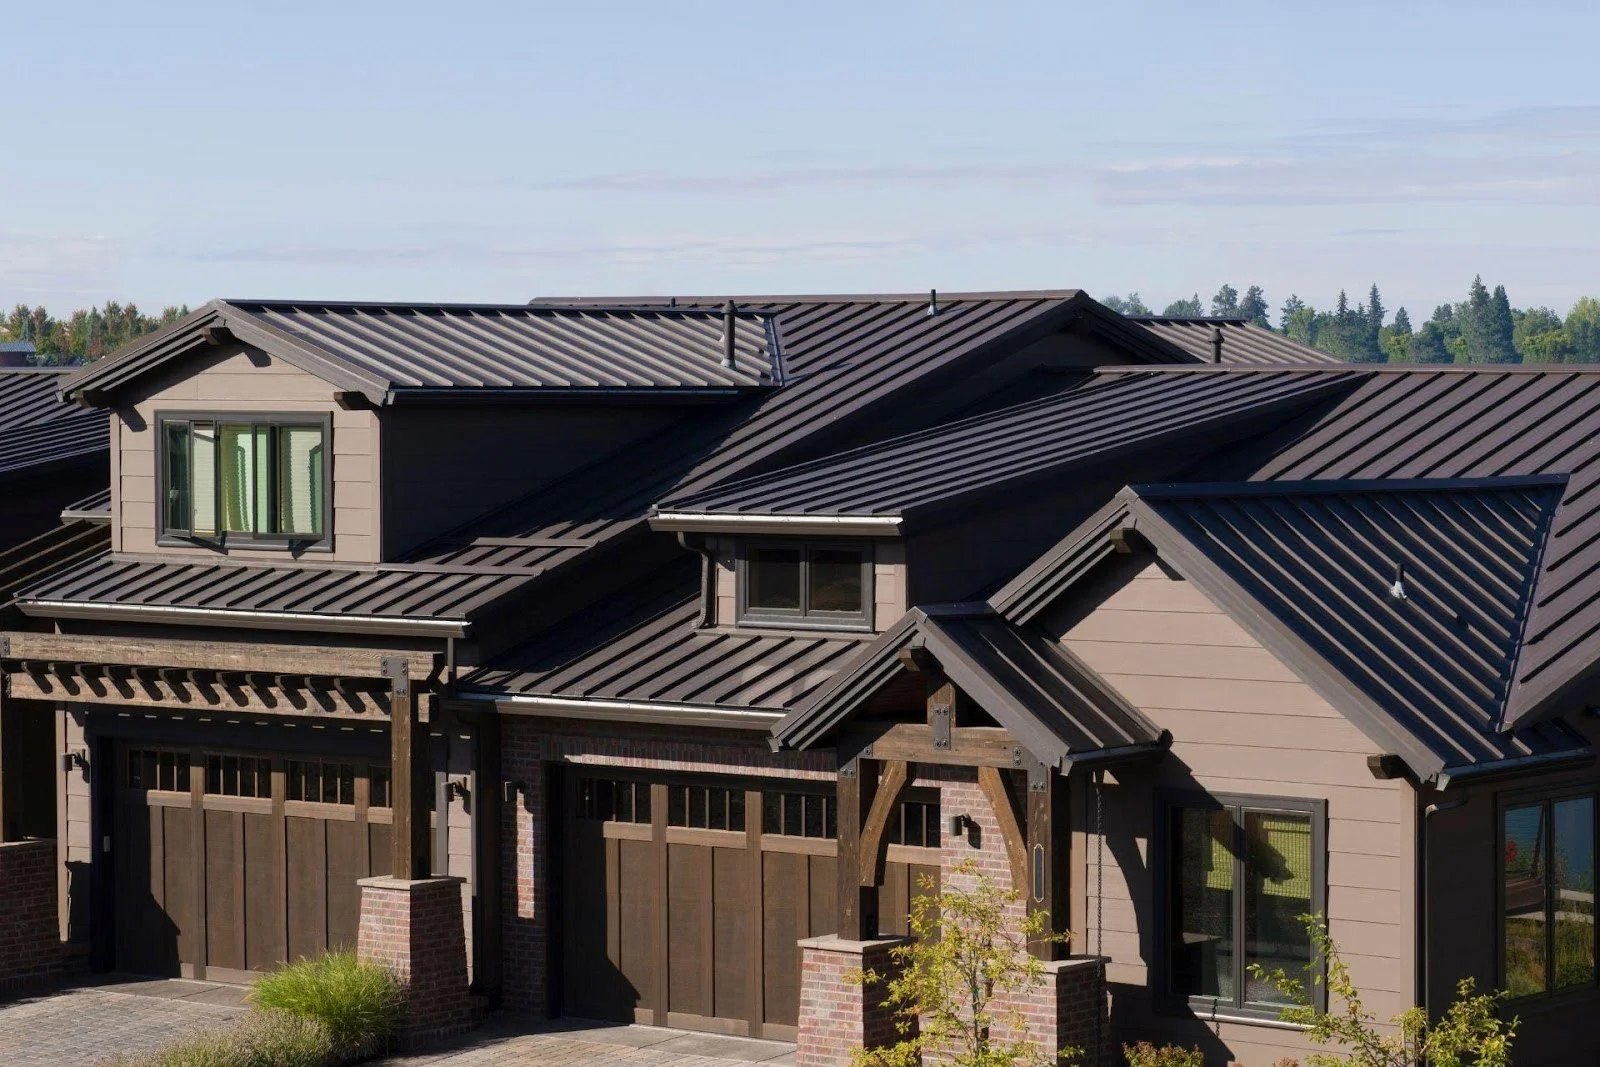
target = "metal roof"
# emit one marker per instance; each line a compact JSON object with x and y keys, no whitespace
{"x":1451,"y":422}
{"x":24,"y":347}
{"x":96,"y":507}
{"x":395,"y":352}
{"x":1309,"y":569}
{"x":647,"y":647}
{"x":1050,"y":700}
{"x":1242,"y":341}
{"x":36,"y":427}
{"x":22,"y":564}
{"x":1116,"y":413}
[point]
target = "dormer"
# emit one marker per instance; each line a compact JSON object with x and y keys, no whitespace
{"x":352,"y":433}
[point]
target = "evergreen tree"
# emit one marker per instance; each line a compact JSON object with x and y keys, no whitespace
{"x":1129,"y":305}
{"x":1291,"y":307}
{"x":1395,"y":340}
{"x":1475,"y":324}
{"x":1185,"y":309}
{"x":1253,"y":307}
{"x":1375,"y":309}
{"x":1428,"y":345}
{"x":1226,"y":302}
{"x":1499,"y":328}
{"x":1583,"y":331}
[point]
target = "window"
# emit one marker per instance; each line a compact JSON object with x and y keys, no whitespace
{"x":238,"y":776}
{"x":323,"y":783}
{"x":155,"y":769}
{"x":266,"y":479}
{"x":916,"y":824}
{"x":1238,"y":874}
{"x":1547,"y":887}
{"x":799,"y":815}
{"x":825,"y":584}
{"x":708,"y":807}
{"x":613,"y":801}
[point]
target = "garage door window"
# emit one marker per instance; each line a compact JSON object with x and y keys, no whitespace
{"x":607,"y":800}
{"x":707,"y":807}
{"x":322,"y":783}
{"x":154,"y":769}
{"x":800,"y":815}
{"x":917,"y":824}
{"x":238,"y":776}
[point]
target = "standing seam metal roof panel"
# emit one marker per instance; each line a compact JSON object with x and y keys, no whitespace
{"x":1242,"y":341}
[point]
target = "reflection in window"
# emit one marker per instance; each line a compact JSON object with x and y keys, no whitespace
{"x":266,"y":479}
{"x":322,"y":783}
{"x":606,"y":800}
{"x":1548,"y":888}
{"x":774,"y":582}
{"x":157,"y":769}
{"x":916,"y":824}
{"x":1240,"y":878}
{"x":705,"y":807}
{"x":238,"y":776}
{"x":799,"y":815}
{"x":813,"y":583}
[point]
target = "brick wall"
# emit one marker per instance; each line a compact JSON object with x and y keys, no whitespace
{"x":414,"y":928}
{"x":836,"y":1014}
{"x":30,"y":938}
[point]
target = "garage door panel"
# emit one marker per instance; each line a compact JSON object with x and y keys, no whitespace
{"x":635,"y":921}
{"x":732,"y":928}
{"x":178,"y":874}
{"x":689,"y":897}
{"x":263,"y":898}
{"x":784,"y":921}
{"x":307,"y":843}
{"x":225,"y":911}
{"x":346,"y":864}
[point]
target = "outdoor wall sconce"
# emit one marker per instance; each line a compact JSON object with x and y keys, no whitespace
{"x":76,"y":758}
{"x":961,"y":824}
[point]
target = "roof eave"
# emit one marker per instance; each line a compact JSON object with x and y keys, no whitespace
{"x":641,"y":711}
{"x":797,"y":525}
{"x":378,"y":625}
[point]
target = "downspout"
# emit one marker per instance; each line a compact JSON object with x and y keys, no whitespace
{"x":1425,"y":901}
{"x":708,"y":594}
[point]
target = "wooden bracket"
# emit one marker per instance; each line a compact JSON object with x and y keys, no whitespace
{"x":1004,"y":805}
{"x":875,"y":834}
{"x":1125,"y":540}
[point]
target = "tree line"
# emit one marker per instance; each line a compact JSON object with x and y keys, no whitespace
{"x":84,"y":335}
{"x":1483,"y":328}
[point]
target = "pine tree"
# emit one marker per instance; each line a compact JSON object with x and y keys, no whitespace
{"x":1226,"y":302}
{"x":1428,"y":345}
{"x":1500,"y":328}
{"x":1253,"y":308}
{"x":1185,"y":309}
{"x":1291,"y":307}
{"x":1395,"y":340}
{"x":1475,"y":325}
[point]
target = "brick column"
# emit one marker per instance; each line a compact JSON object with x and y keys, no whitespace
{"x":837,"y":1015}
{"x":415,"y":929}
{"x":30,"y":934}
{"x":1070,"y":1010}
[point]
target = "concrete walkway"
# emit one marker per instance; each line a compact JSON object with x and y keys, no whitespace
{"x":93,"y":1023}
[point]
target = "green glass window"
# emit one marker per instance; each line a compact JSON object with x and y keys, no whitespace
{"x":1240,"y":874}
{"x":261,"y":479}
{"x":1547,"y":888}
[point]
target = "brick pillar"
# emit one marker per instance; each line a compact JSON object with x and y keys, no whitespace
{"x":30,"y":933}
{"x":1075,"y":1011}
{"x":836,"y":1015}
{"x":415,"y":929}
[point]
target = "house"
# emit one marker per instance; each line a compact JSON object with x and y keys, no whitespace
{"x":638,"y":659}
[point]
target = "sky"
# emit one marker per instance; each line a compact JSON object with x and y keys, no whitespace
{"x":461,"y":151}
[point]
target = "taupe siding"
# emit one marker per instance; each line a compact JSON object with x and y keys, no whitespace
{"x":1242,"y":723}
{"x":244,"y":380}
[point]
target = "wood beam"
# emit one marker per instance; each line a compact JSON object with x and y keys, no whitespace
{"x":410,"y":774}
{"x":197,"y":695}
{"x":1041,"y":892}
{"x":298,"y":660}
{"x":875,"y":831}
{"x":855,"y":789}
{"x":970,"y":746}
{"x":1003,"y":802}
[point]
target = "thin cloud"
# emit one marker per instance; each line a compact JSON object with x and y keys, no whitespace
{"x":45,"y":268}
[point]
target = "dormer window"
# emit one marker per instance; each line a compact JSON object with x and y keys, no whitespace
{"x":803,"y":584}
{"x":264,"y":479}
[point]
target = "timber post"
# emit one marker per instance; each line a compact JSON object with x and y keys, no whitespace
{"x":858,"y":904}
{"x":410,"y":776}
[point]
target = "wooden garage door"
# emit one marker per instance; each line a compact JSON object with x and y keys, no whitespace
{"x":227,"y":863}
{"x":708,"y":887}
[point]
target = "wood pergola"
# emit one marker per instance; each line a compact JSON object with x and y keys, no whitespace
{"x":208,"y":677}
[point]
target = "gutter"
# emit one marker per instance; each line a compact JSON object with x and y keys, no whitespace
{"x":711,"y":522}
{"x":387,"y":625}
{"x":1504,"y":768}
{"x":629,"y":711}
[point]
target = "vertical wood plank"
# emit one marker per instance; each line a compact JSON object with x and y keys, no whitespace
{"x":855,"y":788}
{"x":756,"y":1004}
{"x":197,"y":801}
{"x":660,"y":940}
{"x":280,"y":858}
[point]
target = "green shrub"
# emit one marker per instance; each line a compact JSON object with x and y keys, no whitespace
{"x":262,"y":1039}
{"x":1144,"y":1054}
{"x":356,"y":1003}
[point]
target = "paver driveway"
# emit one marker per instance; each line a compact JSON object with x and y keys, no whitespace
{"x":89,"y":1025}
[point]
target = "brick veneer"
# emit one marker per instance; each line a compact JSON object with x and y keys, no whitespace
{"x":30,"y":934}
{"x":415,"y":929}
{"x":836,"y":1014}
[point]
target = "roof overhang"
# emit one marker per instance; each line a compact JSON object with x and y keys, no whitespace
{"x":810,"y":525}
{"x":660,"y":712}
{"x":385,"y":625}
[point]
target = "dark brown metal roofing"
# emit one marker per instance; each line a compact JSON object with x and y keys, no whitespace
{"x":1115,"y":413}
{"x":96,"y":507}
{"x":1449,"y":422}
{"x":1050,"y":700}
{"x":398,"y":351}
{"x":1309,"y":568}
{"x":1242,"y":342}
{"x":22,"y":564}
{"x":37,"y":428}
{"x":648,"y":647}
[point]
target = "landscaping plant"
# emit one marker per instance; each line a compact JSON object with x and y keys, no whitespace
{"x":262,"y":1039}
{"x":357,"y":1003}
{"x":1144,"y":1054}
{"x":966,"y":961}
{"x":1469,"y":1034}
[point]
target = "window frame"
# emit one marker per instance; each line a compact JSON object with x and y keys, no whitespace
{"x":804,"y":618}
{"x":1547,"y":798}
{"x":171,"y":537}
{"x":1240,"y":804}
